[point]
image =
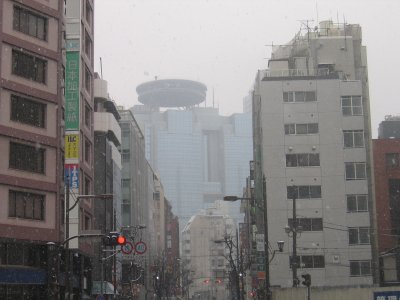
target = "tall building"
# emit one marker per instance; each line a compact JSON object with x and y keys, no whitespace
{"x":199,"y":155}
{"x":107,"y":181}
{"x":387,"y":190}
{"x":313,"y":144}
{"x":31,"y":142}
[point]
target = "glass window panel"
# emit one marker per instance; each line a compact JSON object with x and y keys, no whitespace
{"x":285,"y":97}
{"x":360,"y":171}
{"x":314,"y":159}
{"x":28,"y":207}
{"x":347,"y":111}
{"x":365,"y":268}
{"x":290,"y":129}
{"x":350,"y":171}
{"x":301,"y":129}
{"x":291,"y":160}
{"x":299,"y":96}
{"x":362,"y":203}
{"x":354,"y":268}
{"x":315,"y":191}
{"x":304,"y":192}
{"x":364,"y":235}
{"x":316,"y":224}
{"x":356,"y":101}
{"x":351,"y":203}
{"x":319,"y":261}
{"x":357,"y":111}
{"x":359,"y":138}
{"x":307,"y":261}
{"x":20,"y":207}
{"x":348,"y":139}
{"x":305,"y":224}
{"x":15,"y":253}
{"x":303,"y":160}
{"x":313,"y":128}
{"x":346,"y":101}
{"x":353,"y":236}
{"x":32,"y":26}
{"x":310,"y":96}
{"x":392,"y":160}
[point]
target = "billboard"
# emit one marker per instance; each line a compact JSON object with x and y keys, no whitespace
{"x":72,"y":146}
{"x":72,"y":91}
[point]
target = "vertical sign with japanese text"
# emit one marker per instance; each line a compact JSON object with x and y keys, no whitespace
{"x":72,"y":91}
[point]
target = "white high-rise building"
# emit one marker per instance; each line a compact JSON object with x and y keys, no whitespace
{"x":313,"y":142}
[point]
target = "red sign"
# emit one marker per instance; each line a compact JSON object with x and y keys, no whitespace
{"x":140,"y":247}
{"x":127,"y":248}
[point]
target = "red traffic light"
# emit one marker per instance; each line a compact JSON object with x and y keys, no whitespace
{"x":206,"y":281}
{"x":121,"y":240}
{"x":218,"y":281}
{"x":252,"y":294}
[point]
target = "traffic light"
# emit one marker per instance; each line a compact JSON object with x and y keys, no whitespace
{"x":114,"y":239}
{"x":252,"y":294}
{"x":218,"y":281}
{"x":307,"y":280}
{"x":206,"y":281}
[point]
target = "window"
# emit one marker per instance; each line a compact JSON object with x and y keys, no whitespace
{"x":302,"y":160}
{"x":29,"y":66}
{"x":359,"y":236}
{"x":352,"y":106}
{"x":357,"y":203}
{"x":309,"y":128}
{"x":308,"y":224}
{"x":355,"y":171}
{"x":27,"y":158}
{"x":88,"y":45}
{"x":30,"y":23}
{"x":26,"y":205}
{"x":87,"y":186}
{"x":300,"y":96}
{"x":88,"y":80}
{"x":360,"y":267}
{"x":156,"y":196}
{"x":87,"y":151}
{"x":392,"y":160}
{"x":87,"y":115}
{"x":312,"y":261}
{"x":27,"y":111}
{"x":353,"y":138}
{"x":304,"y":191}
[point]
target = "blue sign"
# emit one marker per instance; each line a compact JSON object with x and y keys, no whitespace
{"x":22,"y":276}
{"x":72,"y":175}
{"x":387,"y":295}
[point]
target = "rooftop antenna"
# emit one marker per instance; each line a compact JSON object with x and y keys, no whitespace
{"x":345,"y":33}
{"x":101,"y":68}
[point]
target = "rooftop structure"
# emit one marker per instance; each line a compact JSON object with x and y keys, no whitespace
{"x":171,"y":93}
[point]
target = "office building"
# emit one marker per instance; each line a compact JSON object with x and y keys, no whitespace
{"x":31,"y":139}
{"x":200,"y":155}
{"x":312,"y":142}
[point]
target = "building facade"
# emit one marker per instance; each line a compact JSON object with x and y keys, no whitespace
{"x":387,"y":190}
{"x":31,"y":139}
{"x":312,"y":142}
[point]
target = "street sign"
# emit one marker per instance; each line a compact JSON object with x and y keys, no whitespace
{"x":140,"y":247}
{"x":387,"y":295}
{"x":127,"y":248}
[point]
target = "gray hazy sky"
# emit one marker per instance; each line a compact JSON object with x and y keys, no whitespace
{"x":222,"y":43}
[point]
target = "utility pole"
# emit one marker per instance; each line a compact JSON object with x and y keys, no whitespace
{"x":266,"y":248}
{"x":294,"y":230}
{"x":67,"y":258}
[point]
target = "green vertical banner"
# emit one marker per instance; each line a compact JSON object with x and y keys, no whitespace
{"x":72,"y":91}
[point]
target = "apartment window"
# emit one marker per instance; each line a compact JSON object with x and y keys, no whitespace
{"x":88,"y":80}
{"x":392,"y":160}
{"x":30,"y":23}
{"x":357,"y":203}
{"x":312,"y":261}
{"x":87,"y":115}
{"x":26,"y":157}
{"x":353,"y":138}
{"x":308,"y":224}
{"x":156,"y":196}
{"x":359,"y":236}
{"x":27,"y":111}
{"x":355,"y":171}
{"x":26,"y":205}
{"x":308,"y":128}
{"x":304,"y":191}
{"x":352,"y":106}
{"x":302,"y":160}
{"x":88,"y":45}
{"x":299,"y":96}
{"x":360,"y":268}
{"x":29,"y":66}
{"x":87,"y":151}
